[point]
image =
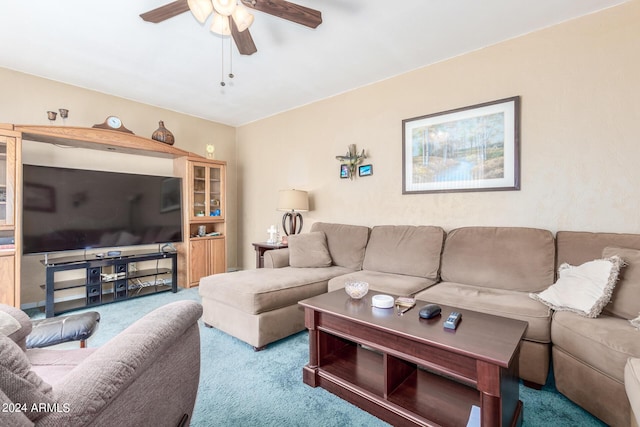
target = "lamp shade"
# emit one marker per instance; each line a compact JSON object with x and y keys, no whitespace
{"x":220,"y":25}
{"x":224,"y":7}
{"x":293,"y":200}
{"x":201,"y":9}
{"x":242,"y":17}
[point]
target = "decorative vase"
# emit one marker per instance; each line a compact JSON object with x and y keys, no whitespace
{"x":163,"y":134}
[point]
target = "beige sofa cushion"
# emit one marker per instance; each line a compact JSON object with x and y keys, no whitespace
{"x":392,"y":284}
{"x":626,"y":296}
{"x":265,"y":289}
{"x":514,"y":258}
{"x":632,"y":386}
{"x":346,"y":243}
{"x":53,"y":364}
{"x":309,"y":250}
{"x":405,"y":249}
{"x":499,"y":302}
{"x":576,"y":247}
{"x":604,"y":343}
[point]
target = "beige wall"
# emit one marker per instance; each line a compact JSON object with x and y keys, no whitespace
{"x":579,"y":87}
{"x":26,"y":99}
{"x":580,"y":140}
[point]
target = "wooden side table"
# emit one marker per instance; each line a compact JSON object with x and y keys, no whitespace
{"x":262,"y":247}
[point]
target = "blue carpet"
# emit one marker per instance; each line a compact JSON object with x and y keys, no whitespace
{"x":239,"y":386}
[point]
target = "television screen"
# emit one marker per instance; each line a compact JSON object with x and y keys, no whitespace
{"x":67,"y":209}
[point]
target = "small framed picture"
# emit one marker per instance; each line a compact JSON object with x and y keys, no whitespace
{"x":344,"y":171}
{"x":365,"y":170}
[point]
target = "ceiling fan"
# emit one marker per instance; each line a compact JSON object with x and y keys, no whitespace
{"x":230,"y":17}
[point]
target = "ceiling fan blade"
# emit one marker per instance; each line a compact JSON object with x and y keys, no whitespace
{"x":165,"y":12}
{"x":286,"y":10}
{"x":243,"y":39}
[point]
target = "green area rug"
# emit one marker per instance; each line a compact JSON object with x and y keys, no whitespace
{"x":239,"y":386}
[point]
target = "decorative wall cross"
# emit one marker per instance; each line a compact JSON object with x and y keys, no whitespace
{"x":352,"y":159}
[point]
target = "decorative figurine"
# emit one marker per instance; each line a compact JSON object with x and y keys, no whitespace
{"x":273,"y":235}
{"x":163,"y":134}
{"x":351,"y":160}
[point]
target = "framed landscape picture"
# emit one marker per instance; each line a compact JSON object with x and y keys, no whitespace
{"x":474,"y":148}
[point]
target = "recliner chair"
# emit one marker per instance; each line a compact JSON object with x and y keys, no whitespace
{"x":146,"y":375}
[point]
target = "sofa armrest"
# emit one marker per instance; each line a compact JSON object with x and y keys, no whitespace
{"x":276,"y":258}
{"x":20,"y":335}
{"x":632,"y":387}
{"x":148,"y":374}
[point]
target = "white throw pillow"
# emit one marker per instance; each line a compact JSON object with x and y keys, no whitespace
{"x":585,"y":289}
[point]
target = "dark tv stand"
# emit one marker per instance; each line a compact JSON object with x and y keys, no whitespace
{"x":79,"y":282}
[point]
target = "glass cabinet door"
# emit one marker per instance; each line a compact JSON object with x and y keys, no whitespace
{"x":207,"y":191}
{"x":199,"y":196}
{"x":7,"y":180}
{"x":215,"y":192}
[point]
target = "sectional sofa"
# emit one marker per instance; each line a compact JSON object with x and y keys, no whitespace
{"x":494,"y":270}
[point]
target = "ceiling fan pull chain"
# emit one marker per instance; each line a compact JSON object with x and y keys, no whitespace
{"x":230,"y":58}
{"x":222,"y":83}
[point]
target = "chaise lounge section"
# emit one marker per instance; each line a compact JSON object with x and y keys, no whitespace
{"x":261,"y":306}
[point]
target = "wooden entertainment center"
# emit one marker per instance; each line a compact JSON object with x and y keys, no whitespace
{"x":203,"y":198}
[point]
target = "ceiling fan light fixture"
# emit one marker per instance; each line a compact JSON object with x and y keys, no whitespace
{"x":224,"y":7}
{"x":201,"y":9}
{"x":220,"y":25}
{"x":242,"y":17}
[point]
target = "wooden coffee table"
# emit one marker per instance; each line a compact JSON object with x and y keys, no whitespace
{"x":411,"y":371}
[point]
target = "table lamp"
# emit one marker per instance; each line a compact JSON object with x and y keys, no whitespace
{"x":293,"y":202}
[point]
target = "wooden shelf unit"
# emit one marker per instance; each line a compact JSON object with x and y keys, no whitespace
{"x":204,"y":184}
{"x":191,"y":262}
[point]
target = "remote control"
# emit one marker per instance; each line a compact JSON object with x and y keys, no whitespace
{"x":453,"y":320}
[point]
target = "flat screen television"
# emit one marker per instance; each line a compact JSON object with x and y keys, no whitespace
{"x":70,"y":209}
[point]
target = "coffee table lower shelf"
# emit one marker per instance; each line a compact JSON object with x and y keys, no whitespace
{"x":356,"y":374}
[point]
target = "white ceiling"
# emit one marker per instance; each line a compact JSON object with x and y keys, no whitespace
{"x":105,"y":46}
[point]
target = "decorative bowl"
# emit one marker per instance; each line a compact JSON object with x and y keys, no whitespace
{"x":356,"y":290}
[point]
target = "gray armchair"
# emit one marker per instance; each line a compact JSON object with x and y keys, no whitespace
{"x":146,"y":375}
